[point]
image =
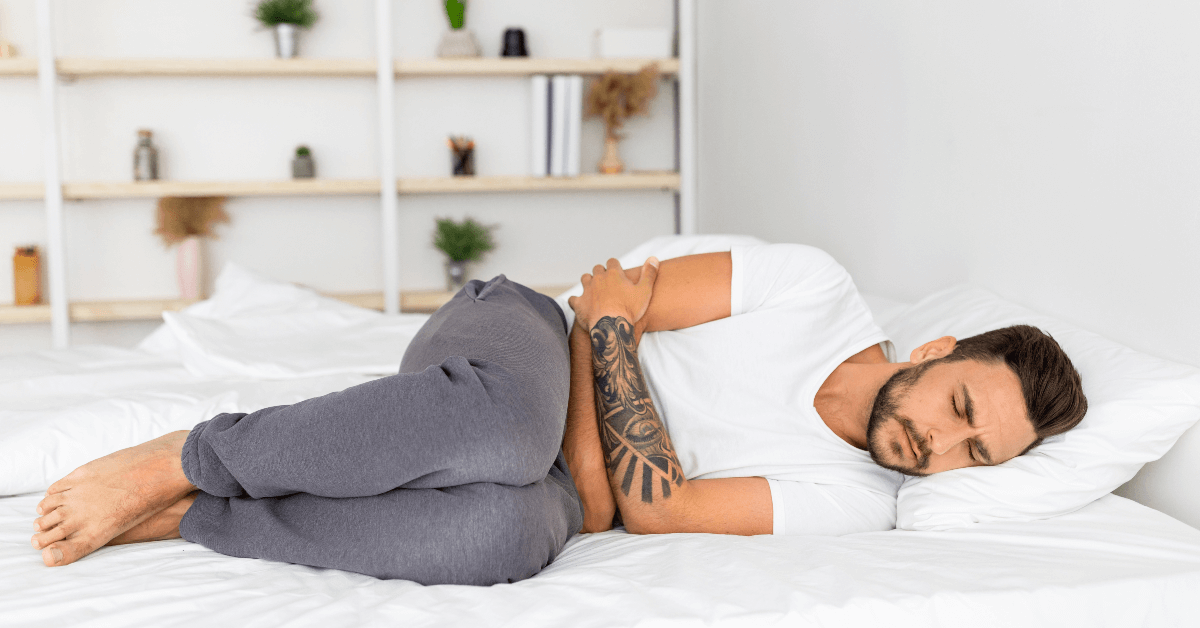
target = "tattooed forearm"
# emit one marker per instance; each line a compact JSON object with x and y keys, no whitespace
{"x":637,"y":450}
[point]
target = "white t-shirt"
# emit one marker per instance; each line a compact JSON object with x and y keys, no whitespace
{"x":736,"y":394}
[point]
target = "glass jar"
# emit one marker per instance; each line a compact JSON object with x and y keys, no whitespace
{"x":145,"y":158}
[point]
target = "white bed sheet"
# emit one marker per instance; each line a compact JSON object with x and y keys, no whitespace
{"x":1114,"y":563}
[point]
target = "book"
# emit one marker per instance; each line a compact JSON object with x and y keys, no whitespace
{"x":559,"y":90}
{"x":539,"y":141}
{"x":574,"y":124}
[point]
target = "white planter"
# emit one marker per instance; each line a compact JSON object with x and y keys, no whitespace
{"x":285,"y":40}
{"x":459,"y":43}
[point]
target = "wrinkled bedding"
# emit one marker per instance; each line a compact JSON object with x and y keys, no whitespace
{"x":1112,"y":563}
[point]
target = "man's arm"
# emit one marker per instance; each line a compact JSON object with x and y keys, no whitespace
{"x":643,"y":470}
{"x":687,"y":291}
{"x":581,"y":440}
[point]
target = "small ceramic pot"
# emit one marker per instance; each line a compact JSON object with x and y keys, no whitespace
{"x":285,"y":40}
{"x":456,"y":275}
{"x":514,"y":43}
{"x":462,"y":162}
{"x":459,"y":43}
{"x":611,"y":162}
{"x":303,"y":167}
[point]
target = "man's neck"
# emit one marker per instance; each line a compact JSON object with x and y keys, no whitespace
{"x":845,"y":400}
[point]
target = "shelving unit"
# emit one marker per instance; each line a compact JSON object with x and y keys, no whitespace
{"x":386,"y":69}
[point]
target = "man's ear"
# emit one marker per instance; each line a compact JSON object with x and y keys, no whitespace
{"x":933,"y":349}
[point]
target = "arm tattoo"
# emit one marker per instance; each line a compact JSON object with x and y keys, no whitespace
{"x":630,"y":430}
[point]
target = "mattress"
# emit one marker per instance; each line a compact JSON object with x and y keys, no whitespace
{"x":1113,"y":563}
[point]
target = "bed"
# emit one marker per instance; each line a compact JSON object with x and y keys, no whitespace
{"x":1101,"y":560}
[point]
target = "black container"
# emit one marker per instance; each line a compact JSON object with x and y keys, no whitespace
{"x":514,"y":43}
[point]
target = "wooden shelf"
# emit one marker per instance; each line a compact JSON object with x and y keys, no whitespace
{"x":451,"y":185}
{"x":18,"y":66}
{"x":283,"y":187}
{"x":340,"y":187}
{"x":526,"y":66}
{"x":22,"y":191}
{"x":411,"y":301}
{"x":423,"y":301}
{"x":78,"y":67}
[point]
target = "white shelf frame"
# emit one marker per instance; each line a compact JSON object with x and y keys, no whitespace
{"x":386,"y":69}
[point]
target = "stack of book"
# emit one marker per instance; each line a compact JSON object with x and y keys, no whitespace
{"x":557,"y":120}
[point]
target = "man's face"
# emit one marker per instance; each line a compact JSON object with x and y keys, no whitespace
{"x":937,"y":415}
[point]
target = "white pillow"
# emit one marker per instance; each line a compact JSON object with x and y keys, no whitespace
{"x":260,"y":328}
{"x":1138,"y":406}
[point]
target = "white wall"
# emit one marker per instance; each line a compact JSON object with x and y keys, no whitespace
{"x":1048,"y":151}
{"x":215,"y":128}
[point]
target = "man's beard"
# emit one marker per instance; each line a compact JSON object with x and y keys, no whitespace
{"x":885,"y":409}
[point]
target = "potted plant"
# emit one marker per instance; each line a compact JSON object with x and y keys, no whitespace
{"x":303,"y":166}
{"x":458,"y":41}
{"x":284,"y":17}
{"x":615,"y":97}
{"x":186,"y":221}
{"x":462,"y":242}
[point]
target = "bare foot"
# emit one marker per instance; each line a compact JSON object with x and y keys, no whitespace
{"x":158,"y":527}
{"x":106,"y":497}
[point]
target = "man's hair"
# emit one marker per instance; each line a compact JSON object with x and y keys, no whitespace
{"x":1051,"y":386}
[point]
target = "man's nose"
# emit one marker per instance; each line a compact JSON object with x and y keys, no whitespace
{"x":943,"y":438}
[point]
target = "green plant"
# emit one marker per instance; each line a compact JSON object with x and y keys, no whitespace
{"x":298,"y":12}
{"x":456,"y":12}
{"x":302,"y":151}
{"x":464,"y":241}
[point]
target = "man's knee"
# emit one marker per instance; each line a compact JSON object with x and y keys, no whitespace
{"x":507,"y":534}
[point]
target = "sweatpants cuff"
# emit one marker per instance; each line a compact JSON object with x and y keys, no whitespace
{"x":201,"y":465}
{"x":201,"y":521}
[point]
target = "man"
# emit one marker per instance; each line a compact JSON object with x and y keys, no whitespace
{"x":785,"y":416}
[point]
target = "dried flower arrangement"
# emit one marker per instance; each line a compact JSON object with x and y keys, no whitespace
{"x":615,"y":97}
{"x":181,"y":217}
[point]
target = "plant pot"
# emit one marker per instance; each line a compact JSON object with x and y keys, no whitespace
{"x":189,"y":268}
{"x":285,"y":40}
{"x":303,"y":167}
{"x":611,"y":162}
{"x":459,"y":43}
{"x":456,"y":275}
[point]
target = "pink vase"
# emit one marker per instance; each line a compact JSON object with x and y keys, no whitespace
{"x":189,"y":268}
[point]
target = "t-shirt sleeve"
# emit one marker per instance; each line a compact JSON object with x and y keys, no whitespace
{"x":776,"y":275}
{"x":829,"y":510}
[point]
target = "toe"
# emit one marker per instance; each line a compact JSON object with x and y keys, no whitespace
{"x":56,"y":516}
{"x":66,"y":552}
{"x":44,"y":539}
{"x":53,"y":556}
{"x":60,"y":486}
{"x":50,"y":502}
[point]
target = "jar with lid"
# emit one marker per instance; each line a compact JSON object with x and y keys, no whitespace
{"x":145,"y":158}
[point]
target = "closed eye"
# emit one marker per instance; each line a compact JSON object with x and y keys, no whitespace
{"x":970,"y":448}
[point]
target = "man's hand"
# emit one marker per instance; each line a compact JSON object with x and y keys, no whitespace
{"x":609,"y":292}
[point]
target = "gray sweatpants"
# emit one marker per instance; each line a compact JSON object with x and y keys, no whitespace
{"x":449,"y":472}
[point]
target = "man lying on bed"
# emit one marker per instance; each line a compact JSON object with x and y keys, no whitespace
{"x":785,"y":416}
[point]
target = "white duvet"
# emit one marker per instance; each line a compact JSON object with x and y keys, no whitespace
{"x":259,"y":343}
